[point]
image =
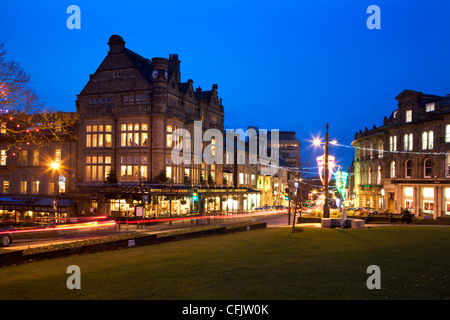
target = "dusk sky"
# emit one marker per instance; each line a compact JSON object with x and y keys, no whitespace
{"x":287,"y":65}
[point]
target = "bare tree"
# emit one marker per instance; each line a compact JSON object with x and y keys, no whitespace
{"x":24,"y":119}
{"x":302,"y":185}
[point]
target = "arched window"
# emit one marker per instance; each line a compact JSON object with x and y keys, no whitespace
{"x":447,"y":165}
{"x":447,"y":133}
{"x":427,"y":168}
{"x":408,"y":169}
{"x":379,"y":175}
{"x":408,"y":142}
{"x":392,"y":169}
{"x":430,"y":140}
{"x":369,"y":176}
{"x":427,"y":140}
{"x":424,"y":140}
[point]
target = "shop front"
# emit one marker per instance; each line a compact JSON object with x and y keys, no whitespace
{"x":174,"y":201}
{"x":32,"y":211}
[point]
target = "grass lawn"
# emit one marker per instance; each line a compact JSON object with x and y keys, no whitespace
{"x":262,"y":264}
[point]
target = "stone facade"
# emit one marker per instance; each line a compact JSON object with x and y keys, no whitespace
{"x":120,"y":156}
{"x":405,"y":162}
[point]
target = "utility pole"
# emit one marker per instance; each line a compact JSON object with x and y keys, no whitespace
{"x":326,"y":207}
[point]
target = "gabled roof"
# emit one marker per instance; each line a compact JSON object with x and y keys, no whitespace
{"x":183,"y":87}
{"x":199,"y":95}
{"x":144,"y":65}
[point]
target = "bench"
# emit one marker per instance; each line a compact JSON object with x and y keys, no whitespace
{"x":336,"y":223}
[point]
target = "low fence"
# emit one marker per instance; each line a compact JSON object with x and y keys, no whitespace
{"x":384,"y":219}
{"x":19,"y":257}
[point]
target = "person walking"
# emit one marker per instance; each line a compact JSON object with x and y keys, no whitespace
{"x":406,"y":216}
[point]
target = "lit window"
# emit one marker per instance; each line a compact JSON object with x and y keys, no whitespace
{"x":392,"y":169}
{"x":427,"y":140}
{"x":169,"y":140}
{"x":107,"y":140}
{"x":379,"y":175}
{"x":409,"y":191}
{"x":23,"y":186}
{"x":430,"y":140}
{"x":24,"y":158}
{"x":408,"y":116}
{"x":447,"y":165}
{"x":393,"y":143}
{"x":3,"y":157}
{"x":5,"y":186}
{"x":429,"y":107}
{"x":169,"y":172}
{"x":408,"y":142}
{"x":35,"y":157}
{"x":447,"y":133}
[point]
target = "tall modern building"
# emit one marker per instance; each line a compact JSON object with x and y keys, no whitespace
{"x":405,"y":163}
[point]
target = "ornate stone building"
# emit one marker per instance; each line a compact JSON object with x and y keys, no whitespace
{"x":404,"y":163}
{"x":120,"y":155}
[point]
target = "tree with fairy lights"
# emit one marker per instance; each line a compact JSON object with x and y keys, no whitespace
{"x":301,"y":186}
{"x":24,"y":119}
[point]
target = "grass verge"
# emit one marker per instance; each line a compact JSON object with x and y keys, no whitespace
{"x":262,"y":264}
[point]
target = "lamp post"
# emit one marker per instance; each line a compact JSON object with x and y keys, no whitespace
{"x":326,"y":207}
{"x":55,"y":167}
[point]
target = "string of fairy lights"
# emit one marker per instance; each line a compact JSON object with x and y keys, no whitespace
{"x":378,"y":151}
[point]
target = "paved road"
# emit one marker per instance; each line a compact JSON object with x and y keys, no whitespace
{"x":273,"y":220}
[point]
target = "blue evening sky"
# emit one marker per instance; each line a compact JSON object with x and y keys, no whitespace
{"x":287,"y":65}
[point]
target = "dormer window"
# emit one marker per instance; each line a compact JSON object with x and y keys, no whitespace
{"x":429,"y":107}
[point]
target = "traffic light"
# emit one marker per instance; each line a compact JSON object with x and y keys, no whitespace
{"x":195,"y":195}
{"x":286,"y":194}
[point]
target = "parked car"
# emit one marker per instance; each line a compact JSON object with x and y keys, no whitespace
{"x":281,"y":207}
{"x":5,"y":236}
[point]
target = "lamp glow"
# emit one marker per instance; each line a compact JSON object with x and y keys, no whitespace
{"x":54,"y":165}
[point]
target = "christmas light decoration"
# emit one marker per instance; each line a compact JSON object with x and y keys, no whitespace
{"x":321,"y":164}
{"x":341,"y":182}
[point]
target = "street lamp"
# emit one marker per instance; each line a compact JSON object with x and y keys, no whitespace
{"x":54,"y":165}
{"x":326,"y":207}
{"x":323,"y":160}
{"x":55,"y":168}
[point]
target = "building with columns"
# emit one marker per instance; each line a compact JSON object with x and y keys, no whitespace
{"x":405,"y":163}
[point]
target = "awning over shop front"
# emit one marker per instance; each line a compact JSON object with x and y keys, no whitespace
{"x":59,"y":202}
{"x":33,"y":204}
{"x":132,"y":190}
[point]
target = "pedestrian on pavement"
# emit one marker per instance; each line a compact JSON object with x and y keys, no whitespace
{"x":406,"y":216}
